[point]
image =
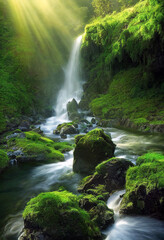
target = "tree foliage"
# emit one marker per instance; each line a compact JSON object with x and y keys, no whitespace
{"x":101,"y":7}
{"x":104,"y":7}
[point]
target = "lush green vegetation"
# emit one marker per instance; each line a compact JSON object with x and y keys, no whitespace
{"x":128,"y":98}
{"x":149,"y":174}
{"x":60,"y":210}
{"x":102,"y":167}
{"x":4,"y":160}
{"x":100,"y":214}
{"x":16,"y":94}
{"x":35,"y":146}
{"x":121,"y":55}
{"x":150,"y":157}
{"x":31,"y":60}
{"x":144,"y":184}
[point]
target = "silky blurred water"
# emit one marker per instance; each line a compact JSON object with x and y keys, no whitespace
{"x":20,"y":183}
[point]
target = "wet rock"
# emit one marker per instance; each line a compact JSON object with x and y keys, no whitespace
{"x":12,"y":136}
{"x":14,"y":154}
{"x":84,"y":121}
{"x":93,"y":121}
{"x":75,"y":116}
{"x":141,"y":202}
{"x":84,"y":104}
{"x":69,"y":130}
{"x":22,"y":135}
{"x":158,"y":128}
{"x":24,"y":126}
{"x":110,"y":174}
{"x":105,"y":123}
{"x":46,"y":220}
{"x":78,"y":137}
{"x":72,"y":106}
{"x":62,"y":135}
{"x":145,"y":187}
{"x":98,"y":211}
{"x":66,"y":128}
{"x":72,"y":109}
{"x":92,"y":149}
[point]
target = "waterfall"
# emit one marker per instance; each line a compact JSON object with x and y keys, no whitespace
{"x":131,"y":227}
{"x":73,"y":85}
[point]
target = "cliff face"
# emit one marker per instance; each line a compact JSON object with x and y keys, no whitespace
{"x":123,"y":59}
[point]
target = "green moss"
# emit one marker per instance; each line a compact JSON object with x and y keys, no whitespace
{"x":63,"y":146}
{"x":99,"y":191}
{"x":4,"y":160}
{"x":95,"y":135}
{"x":128,"y":32}
{"x":60,"y":126}
{"x":149,"y":172}
{"x":59,"y":210}
{"x":85,"y":180}
{"x":122,"y":100}
{"x":150,"y":157}
{"x":37,"y":146}
{"x":32,"y":136}
{"x":101,"y":168}
{"x":91,"y":149}
{"x":97,"y":209}
{"x":121,"y":64}
{"x":144,"y":184}
{"x":78,"y":137}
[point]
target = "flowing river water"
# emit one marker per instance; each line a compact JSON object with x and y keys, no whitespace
{"x":19,"y":183}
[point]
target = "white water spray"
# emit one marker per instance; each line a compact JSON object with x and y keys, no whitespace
{"x":136,"y":227}
{"x":73,"y":85}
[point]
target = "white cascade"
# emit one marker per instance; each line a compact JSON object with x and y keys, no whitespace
{"x":132,"y":227}
{"x":73,"y":84}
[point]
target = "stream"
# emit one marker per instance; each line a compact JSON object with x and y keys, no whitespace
{"x":19,"y":183}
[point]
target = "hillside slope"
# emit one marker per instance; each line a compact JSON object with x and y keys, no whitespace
{"x":123,"y":58}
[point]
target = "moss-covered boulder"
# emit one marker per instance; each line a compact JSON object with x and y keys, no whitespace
{"x":4,"y":160}
{"x":57,"y":216}
{"x":91,"y":149}
{"x":72,"y":106}
{"x":35,"y":147}
{"x":98,"y":210}
{"x":145,"y":187}
{"x":108,"y":177}
{"x":72,"y":109}
{"x":66,"y":128}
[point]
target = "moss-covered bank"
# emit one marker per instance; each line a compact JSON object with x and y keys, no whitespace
{"x":33,"y":147}
{"x":123,"y":59}
{"x":145,"y":187}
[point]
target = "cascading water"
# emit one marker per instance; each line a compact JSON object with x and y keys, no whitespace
{"x":128,"y":228}
{"x":72,"y":88}
{"x":73,"y":85}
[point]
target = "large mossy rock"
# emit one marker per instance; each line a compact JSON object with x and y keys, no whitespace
{"x":145,"y":187}
{"x":108,"y":177}
{"x":4,"y":160}
{"x":91,"y":149}
{"x":98,"y":210}
{"x":57,"y":216}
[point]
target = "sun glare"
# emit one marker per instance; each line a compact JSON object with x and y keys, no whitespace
{"x":45,"y":24}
